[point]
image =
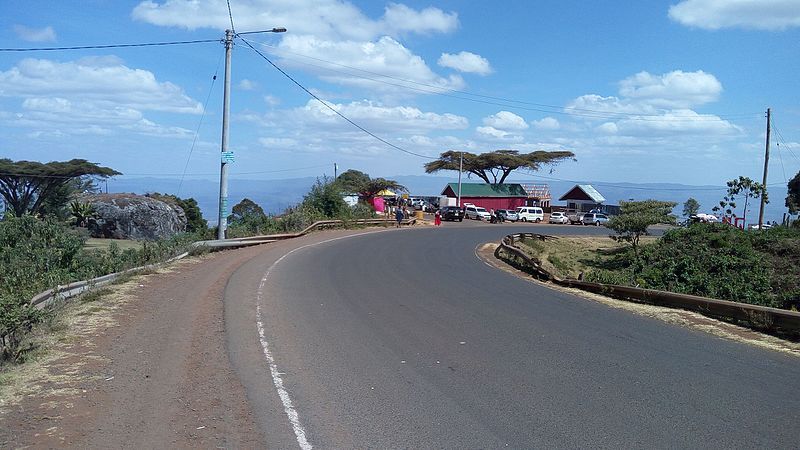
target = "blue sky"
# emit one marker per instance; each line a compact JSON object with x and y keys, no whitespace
{"x":655,"y":91}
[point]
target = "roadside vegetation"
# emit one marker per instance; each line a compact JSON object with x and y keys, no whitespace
{"x":707,"y":259}
{"x":43,"y":242}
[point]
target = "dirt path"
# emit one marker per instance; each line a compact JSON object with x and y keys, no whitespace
{"x":149,"y":371}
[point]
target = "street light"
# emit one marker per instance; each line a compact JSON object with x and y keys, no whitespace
{"x":227,"y":156}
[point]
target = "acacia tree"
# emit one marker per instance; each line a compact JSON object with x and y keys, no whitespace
{"x":28,"y":186}
{"x":690,"y":207}
{"x":494,"y":167}
{"x":738,"y":188}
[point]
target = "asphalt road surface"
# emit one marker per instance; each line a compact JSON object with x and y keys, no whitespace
{"x":404,"y":338}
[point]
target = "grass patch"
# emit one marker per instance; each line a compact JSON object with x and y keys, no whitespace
{"x":104,"y":244}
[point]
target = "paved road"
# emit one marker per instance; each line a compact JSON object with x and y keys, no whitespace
{"x":406,"y":339}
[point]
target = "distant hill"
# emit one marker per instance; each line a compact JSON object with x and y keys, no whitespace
{"x":276,"y":195}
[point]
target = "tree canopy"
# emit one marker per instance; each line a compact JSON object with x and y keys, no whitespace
{"x":28,"y":186}
{"x":690,"y":207}
{"x":246,"y":209}
{"x":741,"y":187}
{"x":793,"y":199}
{"x":494,"y":167}
{"x":354,"y":181}
{"x":635,"y":217}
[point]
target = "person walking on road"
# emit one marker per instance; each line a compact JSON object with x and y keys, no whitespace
{"x":437,"y":218}
{"x":398,"y":215}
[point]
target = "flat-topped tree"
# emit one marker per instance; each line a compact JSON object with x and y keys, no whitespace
{"x":27,"y":186}
{"x":494,"y":167}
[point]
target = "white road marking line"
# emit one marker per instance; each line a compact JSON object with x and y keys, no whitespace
{"x":288,"y":407}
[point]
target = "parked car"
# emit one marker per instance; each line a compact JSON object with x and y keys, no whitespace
{"x":508,"y":214}
{"x":558,"y":217}
{"x":476,"y":213}
{"x":451,"y":213}
{"x":530,"y":213}
{"x":594,"y":218}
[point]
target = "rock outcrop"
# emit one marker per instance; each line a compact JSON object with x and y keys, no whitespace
{"x":131,"y":216}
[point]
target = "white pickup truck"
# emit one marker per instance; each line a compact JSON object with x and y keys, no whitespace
{"x":574,"y":216}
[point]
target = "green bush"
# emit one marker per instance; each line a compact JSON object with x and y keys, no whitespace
{"x":712,"y":260}
{"x":36,"y":255}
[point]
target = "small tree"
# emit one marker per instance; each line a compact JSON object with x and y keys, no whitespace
{"x":690,"y":207}
{"x":244,"y":210}
{"x":793,"y":199}
{"x":81,"y":211}
{"x":357,"y":182}
{"x":635,"y":217}
{"x":742,"y":187}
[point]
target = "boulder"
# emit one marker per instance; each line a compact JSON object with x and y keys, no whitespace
{"x":131,"y":216}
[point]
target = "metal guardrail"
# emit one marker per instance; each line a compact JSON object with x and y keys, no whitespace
{"x":64,"y":292}
{"x":754,"y":316}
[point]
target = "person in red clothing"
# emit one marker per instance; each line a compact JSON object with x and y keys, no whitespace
{"x":437,"y":218}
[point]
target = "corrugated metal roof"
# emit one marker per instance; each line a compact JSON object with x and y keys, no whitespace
{"x":592,"y":193}
{"x":488,"y":190}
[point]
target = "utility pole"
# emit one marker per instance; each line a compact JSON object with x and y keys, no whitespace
{"x":764,"y":180}
{"x":225,"y":155}
{"x":335,"y":170}
{"x":460,"y":168}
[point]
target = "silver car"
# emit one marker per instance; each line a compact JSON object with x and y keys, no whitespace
{"x":596,"y":219}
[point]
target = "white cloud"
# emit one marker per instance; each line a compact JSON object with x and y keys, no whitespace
{"x":505,"y":120}
{"x":466,"y":62}
{"x":608,"y":128}
{"x":653,"y":113}
{"x":493,"y":133}
{"x":271,"y":100}
{"x":247,"y":85}
{"x":95,"y":95}
{"x":46,"y":34}
{"x":329,"y":19}
{"x":97,"y":80}
{"x":385,"y":56}
{"x":400,"y":18}
{"x":548,"y":123}
{"x":672,"y":89}
{"x":376,"y":117}
{"x":751,"y":14}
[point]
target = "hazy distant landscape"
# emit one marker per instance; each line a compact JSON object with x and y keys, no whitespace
{"x":276,"y":195}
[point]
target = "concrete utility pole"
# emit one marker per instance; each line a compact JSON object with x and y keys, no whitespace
{"x":460,"y":168}
{"x":335,"y":170}
{"x":225,"y":155}
{"x":764,"y":180}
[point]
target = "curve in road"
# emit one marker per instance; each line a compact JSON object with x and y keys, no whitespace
{"x":405,"y":339}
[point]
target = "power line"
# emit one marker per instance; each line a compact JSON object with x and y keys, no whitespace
{"x":91,"y":47}
{"x":552,"y":109}
{"x":199,"y":124}
{"x":330,"y":107}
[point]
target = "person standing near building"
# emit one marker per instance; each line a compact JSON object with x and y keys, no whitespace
{"x":398,"y":215}
{"x":437,"y":218}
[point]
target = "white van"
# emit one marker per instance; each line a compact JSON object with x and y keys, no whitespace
{"x":530,"y":214}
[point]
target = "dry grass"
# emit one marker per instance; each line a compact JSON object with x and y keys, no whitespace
{"x":569,"y":256}
{"x":102,"y":244}
{"x":65,"y":344}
